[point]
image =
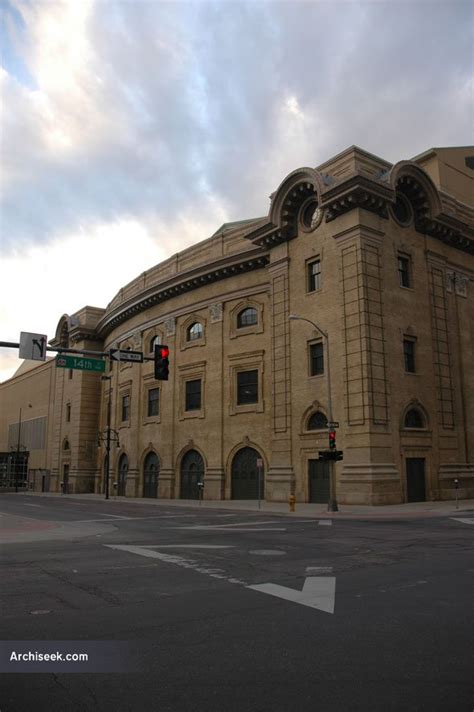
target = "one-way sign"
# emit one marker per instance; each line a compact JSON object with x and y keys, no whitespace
{"x":118,"y":355}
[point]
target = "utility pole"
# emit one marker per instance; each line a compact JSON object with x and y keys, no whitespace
{"x":109,"y":436}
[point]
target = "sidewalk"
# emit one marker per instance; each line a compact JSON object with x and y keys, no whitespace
{"x":412,"y":510}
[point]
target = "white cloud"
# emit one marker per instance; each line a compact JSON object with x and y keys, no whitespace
{"x":130,"y":130}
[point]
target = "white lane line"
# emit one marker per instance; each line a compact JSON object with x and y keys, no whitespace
{"x":319,"y":569}
{"x":177,"y":560}
{"x":464,"y":521}
{"x":325,"y":522}
{"x":189,"y":546}
{"x":231,"y":531}
{"x":237,"y":524}
{"x":32,"y":505}
{"x":318,"y":592}
{"x":123,"y":519}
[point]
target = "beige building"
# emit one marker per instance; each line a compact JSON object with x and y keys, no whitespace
{"x":378,"y":257}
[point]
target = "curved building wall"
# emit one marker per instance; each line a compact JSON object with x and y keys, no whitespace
{"x":377,"y":263}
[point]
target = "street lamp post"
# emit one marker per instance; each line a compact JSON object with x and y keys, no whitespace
{"x":332,"y":504}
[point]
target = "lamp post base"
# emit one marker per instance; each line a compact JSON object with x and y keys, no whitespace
{"x":332,"y":506}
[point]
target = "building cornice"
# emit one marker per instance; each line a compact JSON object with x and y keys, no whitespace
{"x":180,"y":284}
{"x":435,"y":213}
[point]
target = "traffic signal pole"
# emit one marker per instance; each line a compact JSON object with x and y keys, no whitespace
{"x":332,"y":503}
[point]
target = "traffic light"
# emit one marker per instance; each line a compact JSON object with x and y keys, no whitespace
{"x":162,"y":362}
{"x":332,"y":440}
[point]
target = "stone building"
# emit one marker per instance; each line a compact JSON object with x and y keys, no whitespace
{"x":378,"y":257}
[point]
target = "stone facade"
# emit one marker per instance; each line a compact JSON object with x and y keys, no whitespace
{"x":378,"y":257}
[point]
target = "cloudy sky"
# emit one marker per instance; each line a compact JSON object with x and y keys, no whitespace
{"x":132,"y":129}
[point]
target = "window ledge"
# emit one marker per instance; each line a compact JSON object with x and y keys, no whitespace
{"x":192,"y":414}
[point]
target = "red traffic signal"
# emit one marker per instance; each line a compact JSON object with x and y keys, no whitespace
{"x":332,"y":440}
{"x":162,"y":363}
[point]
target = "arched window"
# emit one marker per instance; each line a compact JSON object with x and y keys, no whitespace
{"x":155,"y":341}
{"x":151,"y":471}
{"x":247,"y":317}
{"x":66,"y":445}
{"x":122,"y":475}
{"x":317,"y":421}
{"x":195,"y":331}
{"x":414,"y":419}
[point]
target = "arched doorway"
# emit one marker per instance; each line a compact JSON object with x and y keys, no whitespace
{"x":151,"y":471}
{"x":192,"y":472}
{"x":245,"y":474}
{"x":122,"y":475}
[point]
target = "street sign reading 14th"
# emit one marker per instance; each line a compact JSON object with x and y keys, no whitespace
{"x":81,"y":363}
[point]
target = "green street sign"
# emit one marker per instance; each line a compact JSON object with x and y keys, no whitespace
{"x":81,"y":363}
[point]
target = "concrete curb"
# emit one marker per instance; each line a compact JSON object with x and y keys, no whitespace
{"x":417,"y":510}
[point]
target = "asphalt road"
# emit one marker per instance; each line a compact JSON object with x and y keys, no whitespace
{"x":239,"y":611}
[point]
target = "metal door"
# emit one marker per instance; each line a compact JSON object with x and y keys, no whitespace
{"x":416,"y":490}
{"x":318,"y":473}
{"x":151,"y":471}
{"x":192,"y":472}
{"x":123,"y":472}
{"x":245,"y":475}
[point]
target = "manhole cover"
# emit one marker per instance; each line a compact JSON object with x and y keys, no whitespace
{"x":267,"y":552}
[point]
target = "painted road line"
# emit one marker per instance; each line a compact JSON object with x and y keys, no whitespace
{"x":318,"y":570}
{"x":177,"y":560}
{"x":231,"y":531}
{"x":189,"y":546}
{"x":236,"y":524}
{"x":123,"y":519}
{"x":32,"y":505}
{"x":325,"y":522}
{"x":318,"y":592}
{"x":464,"y":521}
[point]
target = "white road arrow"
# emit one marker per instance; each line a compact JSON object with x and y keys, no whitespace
{"x":318,"y":592}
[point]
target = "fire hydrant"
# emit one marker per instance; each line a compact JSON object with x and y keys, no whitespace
{"x":292,"y":502}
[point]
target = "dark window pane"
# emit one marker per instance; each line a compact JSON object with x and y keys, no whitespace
{"x":126,"y":407}
{"x":316,"y":357}
{"x":317,"y":421}
{"x":193,"y":395}
{"x":409,"y":355}
{"x":247,"y":317}
{"x":402,"y":210}
{"x":247,"y":387}
{"x":195,"y":331}
{"x":404,"y":271}
{"x":414,"y":419}
{"x":314,"y":276}
{"x":153,"y":401}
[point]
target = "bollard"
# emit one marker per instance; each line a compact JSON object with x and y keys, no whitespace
{"x":292,"y":502}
